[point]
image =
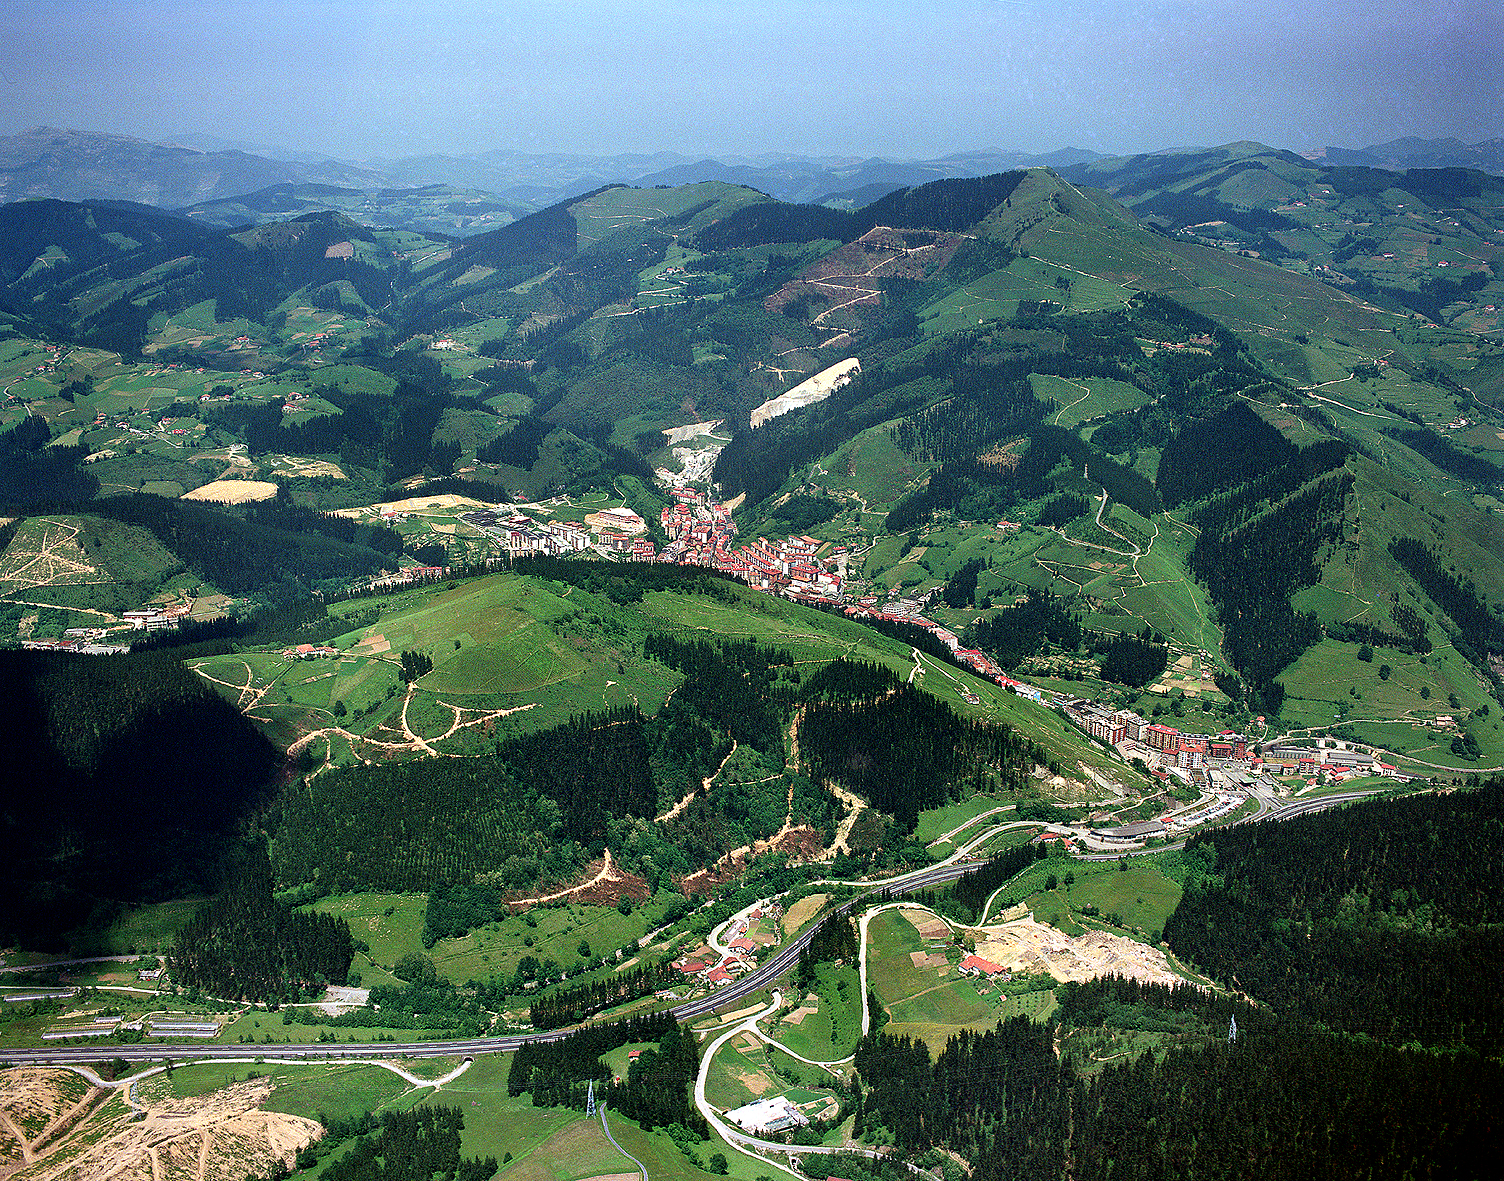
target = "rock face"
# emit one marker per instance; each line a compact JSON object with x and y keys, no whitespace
{"x":809,"y":391}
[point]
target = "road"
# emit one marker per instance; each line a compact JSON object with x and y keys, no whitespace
{"x":690,"y":1011}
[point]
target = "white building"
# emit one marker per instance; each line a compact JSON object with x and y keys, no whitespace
{"x":768,"y":1115}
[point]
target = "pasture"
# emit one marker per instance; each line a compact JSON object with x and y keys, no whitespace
{"x":831,"y":1031}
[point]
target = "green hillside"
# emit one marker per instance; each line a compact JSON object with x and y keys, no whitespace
{"x":1420,"y":241}
{"x":516,"y":655}
{"x":431,"y":209}
{"x":82,"y":561}
{"x":1034,"y":350}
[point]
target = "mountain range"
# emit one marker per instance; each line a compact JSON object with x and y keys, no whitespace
{"x":73,"y":165}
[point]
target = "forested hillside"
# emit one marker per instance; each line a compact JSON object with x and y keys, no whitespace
{"x":1379,"y":919}
{"x":110,"y":754}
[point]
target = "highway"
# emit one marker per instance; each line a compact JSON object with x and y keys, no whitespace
{"x":753,"y":981}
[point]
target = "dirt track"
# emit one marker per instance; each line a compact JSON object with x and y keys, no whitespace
{"x":219,"y":1137}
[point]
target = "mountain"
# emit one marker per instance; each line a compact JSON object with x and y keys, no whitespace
{"x":75,"y":165}
{"x":1424,"y":240}
{"x":434,"y":209}
{"x":199,"y":169}
{"x":1413,"y":152}
{"x":1253,"y":351}
{"x":827,"y":181}
{"x":102,"y":270}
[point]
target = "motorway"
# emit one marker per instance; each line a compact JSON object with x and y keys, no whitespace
{"x":752,"y":982}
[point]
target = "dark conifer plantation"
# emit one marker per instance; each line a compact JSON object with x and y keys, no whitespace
{"x":1383,"y":918}
{"x":906,"y":751}
{"x":247,"y":945}
{"x":416,"y":1145}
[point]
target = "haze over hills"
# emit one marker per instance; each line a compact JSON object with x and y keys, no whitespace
{"x":49,"y":162}
{"x":1415,"y":152}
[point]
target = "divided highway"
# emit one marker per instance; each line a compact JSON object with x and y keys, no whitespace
{"x":752,"y":982}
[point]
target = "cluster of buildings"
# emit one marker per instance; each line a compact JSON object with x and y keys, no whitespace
{"x":84,"y":641}
{"x":309,"y":652}
{"x":741,"y":950}
{"x":1166,"y":747}
{"x":518,"y":535}
{"x":155,"y":619}
{"x":701,"y":533}
{"x":1192,"y":756}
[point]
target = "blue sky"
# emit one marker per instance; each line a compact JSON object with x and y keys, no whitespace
{"x":822,"y":77}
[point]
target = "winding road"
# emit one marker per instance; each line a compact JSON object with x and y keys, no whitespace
{"x":754,"y":981}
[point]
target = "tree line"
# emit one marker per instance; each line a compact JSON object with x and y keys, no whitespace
{"x":907,"y":751}
{"x":246,"y":945}
{"x":414,"y":1145}
{"x":570,"y":1006}
{"x":1252,"y":570}
{"x":556,"y":1074}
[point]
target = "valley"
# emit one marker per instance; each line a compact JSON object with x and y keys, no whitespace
{"x":709,"y":684}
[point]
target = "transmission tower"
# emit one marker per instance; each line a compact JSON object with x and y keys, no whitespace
{"x":1232,"y":1030}
{"x":590,"y":1099}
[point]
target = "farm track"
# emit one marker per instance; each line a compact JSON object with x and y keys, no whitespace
{"x":606,"y":873}
{"x":249,"y":698}
{"x":704,"y":786}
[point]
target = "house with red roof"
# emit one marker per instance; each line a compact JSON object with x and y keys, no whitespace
{"x":975,"y":965}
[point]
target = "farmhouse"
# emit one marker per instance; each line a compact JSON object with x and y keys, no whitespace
{"x":975,"y":965}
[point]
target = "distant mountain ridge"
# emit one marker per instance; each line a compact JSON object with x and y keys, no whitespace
{"x":1413,"y":152}
{"x":78,"y":166}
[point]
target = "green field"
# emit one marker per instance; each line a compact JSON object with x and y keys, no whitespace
{"x":311,"y":1091}
{"x":1079,"y":401}
{"x":149,"y":928}
{"x":929,"y":1003}
{"x":554,"y":933}
{"x":392,"y":925}
{"x":935,"y":821}
{"x":1329,"y":687}
{"x":833,"y":1032}
{"x":740,"y":1074}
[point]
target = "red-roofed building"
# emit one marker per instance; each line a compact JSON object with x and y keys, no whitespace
{"x":718,"y":975}
{"x":975,"y":965}
{"x":1161,"y":737}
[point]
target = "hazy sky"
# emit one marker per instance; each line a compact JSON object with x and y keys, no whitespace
{"x":823,"y":77}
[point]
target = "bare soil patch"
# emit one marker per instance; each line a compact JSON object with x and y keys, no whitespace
{"x":811,"y":390}
{"x":414,"y":504}
{"x":801,"y":912}
{"x":1029,"y":946}
{"x":233,"y":491}
{"x":928,"y":925}
{"x":216,"y":1137}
